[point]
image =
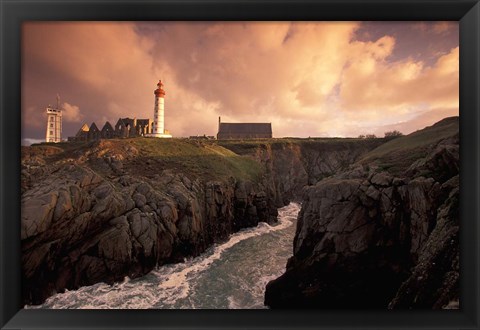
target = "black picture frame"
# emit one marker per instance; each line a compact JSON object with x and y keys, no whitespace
{"x":14,"y":12}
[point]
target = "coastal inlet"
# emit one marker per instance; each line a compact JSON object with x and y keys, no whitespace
{"x":229,"y":275}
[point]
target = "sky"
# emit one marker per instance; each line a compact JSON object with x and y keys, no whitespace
{"x":309,"y":79}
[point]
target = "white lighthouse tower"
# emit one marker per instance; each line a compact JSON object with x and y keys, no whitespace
{"x":159,"y":113}
{"x":54,"y":123}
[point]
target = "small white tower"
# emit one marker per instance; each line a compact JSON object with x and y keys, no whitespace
{"x":54,"y":123}
{"x":159,"y":113}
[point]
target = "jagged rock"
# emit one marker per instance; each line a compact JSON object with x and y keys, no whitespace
{"x":168,"y":213}
{"x":37,"y":213}
{"x":90,"y":270}
{"x":114,"y":247}
{"x":373,"y":193}
{"x":389,"y":241}
{"x":109,"y":210}
{"x":381,"y":179}
{"x":438,"y":264}
{"x":139,"y":200}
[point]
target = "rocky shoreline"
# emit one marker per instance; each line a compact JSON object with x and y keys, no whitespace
{"x":378,"y":226}
{"x":89,"y":230}
{"x":95,"y":213}
{"x":378,"y":236}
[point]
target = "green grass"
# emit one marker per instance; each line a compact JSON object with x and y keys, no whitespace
{"x":222,"y":159}
{"x":198,"y":158}
{"x":205,"y":159}
{"x":195,"y":158}
{"x":246,"y":147}
{"x":398,"y":154}
{"x":175,"y":147}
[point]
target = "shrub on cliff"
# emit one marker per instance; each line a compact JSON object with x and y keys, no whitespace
{"x":393,"y":134}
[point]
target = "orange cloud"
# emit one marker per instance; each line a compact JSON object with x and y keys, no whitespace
{"x":71,"y":113}
{"x":109,"y":59}
{"x":374,"y":87}
{"x":307,"y":78}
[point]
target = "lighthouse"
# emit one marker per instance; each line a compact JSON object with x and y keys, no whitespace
{"x":159,"y":113}
{"x":54,"y":123}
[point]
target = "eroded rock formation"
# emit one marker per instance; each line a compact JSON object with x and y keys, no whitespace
{"x":378,"y":236}
{"x":95,"y":218}
{"x":371,"y":233}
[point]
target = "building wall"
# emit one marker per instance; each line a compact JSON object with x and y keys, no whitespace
{"x":54,"y":125}
{"x":227,"y":136}
{"x":124,"y":128}
{"x":244,"y":131}
{"x":158,"y":116}
{"x":144,"y":127}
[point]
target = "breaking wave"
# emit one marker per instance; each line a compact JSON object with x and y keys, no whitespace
{"x":228,"y":275}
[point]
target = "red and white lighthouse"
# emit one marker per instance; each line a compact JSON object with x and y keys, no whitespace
{"x":159,"y":113}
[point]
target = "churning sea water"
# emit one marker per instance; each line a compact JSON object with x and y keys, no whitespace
{"x":229,"y":275}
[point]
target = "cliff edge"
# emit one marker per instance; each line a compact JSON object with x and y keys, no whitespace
{"x":114,"y":208}
{"x":107,"y":209}
{"x":383,"y":233}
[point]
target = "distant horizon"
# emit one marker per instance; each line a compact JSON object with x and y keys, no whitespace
{"x":28,"y":142}
{"x":309,"y":79}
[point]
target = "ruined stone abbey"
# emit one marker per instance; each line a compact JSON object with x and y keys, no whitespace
{"x":124,"y":128}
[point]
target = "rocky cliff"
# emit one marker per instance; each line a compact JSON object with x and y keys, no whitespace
{"x":293,"y":164}
{"x":383,"y":233}
{"x":113,"y":208}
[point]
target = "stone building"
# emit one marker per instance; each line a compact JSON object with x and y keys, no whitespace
{"x":143,"y":126}
{"x":107,"y":131}
{"x":243,"y":130}
{"x":124,"y":128}
{"x":128,"y":127}
{"x":54,"y":123}
{"x":94,"y":132}
{"x":82,"y":134}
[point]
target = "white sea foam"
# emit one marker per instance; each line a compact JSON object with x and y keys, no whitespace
{"x":165,"y":286}
{"x":176,"y":286}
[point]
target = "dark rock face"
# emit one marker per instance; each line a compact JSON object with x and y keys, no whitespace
{"x":293,"y":166}
{"x":81,"y":226}
{"x":94,"y":216}
{"x":434,"y":280}
{"x":368,"y":239}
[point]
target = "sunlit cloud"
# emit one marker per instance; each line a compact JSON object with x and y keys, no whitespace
{"x":71,"y":113}
{"x":306,"y":78}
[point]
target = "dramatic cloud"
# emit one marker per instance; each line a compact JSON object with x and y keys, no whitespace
{"x":374,"y":91}
{"x":370,"y":85}
{"x":257,"y":70}
{"x":307,"y":79}
{"x":71,"y":113}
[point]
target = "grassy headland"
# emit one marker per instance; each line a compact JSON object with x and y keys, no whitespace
{"x":398,"y":154}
